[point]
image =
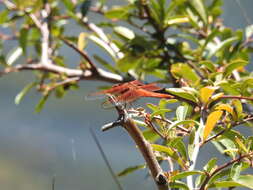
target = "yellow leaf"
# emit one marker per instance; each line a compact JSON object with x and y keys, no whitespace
{"x":217,"y":96}
{"x":81,"y":43}
{"x":178,"y":20}
{"x":211,"y":122}
{"x":225,"y":107}
{"x":206,"y":93}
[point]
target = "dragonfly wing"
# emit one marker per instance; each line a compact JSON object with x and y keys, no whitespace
{"x":151,"y":87}
{"x":128,"y":96}
{"x":94,"y":96}
{"x":145,"y":93}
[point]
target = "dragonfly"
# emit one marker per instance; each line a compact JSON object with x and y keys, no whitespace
{"x":131,"y":91}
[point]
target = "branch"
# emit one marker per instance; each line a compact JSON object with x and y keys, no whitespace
{"x":236,"y":97}
{"x":231,"y":162}
{"x":144,"y":146}
{"x":82,"y":53}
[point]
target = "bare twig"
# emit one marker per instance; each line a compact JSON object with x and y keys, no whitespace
{"x":82,"y":53}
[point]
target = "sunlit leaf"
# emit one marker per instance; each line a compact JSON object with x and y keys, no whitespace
{"x":235,"y":171}
{"x":23,"y":92}
{"x":124,"y":32}
{"x":249,"y":31}
{"x":118,"y":12}
{"x":234,"y":65}
{"x":212,"y":119}
{"x":221,"y":45}
{"x":159,"y":112}
{"x":246,"y":181}
{"x":13,"y":55}
{"x":180,"y":146}
{"x":200,"y":9}
{"x":206,"y":93}
{"x":170,"y":152}
{"x":181,"y":70}
{"x":224,"y":184}
{"x":103,"y":45}
{"x":177,"y":20}
{"x":211,"y":165}
{"x":81,"y":43}
{"x":150,"y":135}
{"x":225,"y":107}
{"x":183,"y":122}
{"x":182,"y":93}
{"x":181,"y":112}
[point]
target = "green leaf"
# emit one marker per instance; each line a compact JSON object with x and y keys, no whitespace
{"x":23,"y":38}
{"x":178,"y":185}
{"x":159,"y":112}
{"x":181,"y":70}
{"x":211,"y":165}
{"x":85,"y":7}
{"x":124,"y":32}
{"x":210,"y":37}
{"x":103,"y":45}
{"x":200,"y":9}
{"x":13,"y":55}
{"x":191,"y":144}
{"x":119,"y":12}
{"x":150,"y":136}
{"x":106,"y":64}
{"x":224,"y":184}
{"x":4,"y":16}
{"x":187,"y":173}
{"x":246,"y":181}
{"x":184,"y":122}
{"x":180,"y":146}
{"x":235,"y":171}
{"x":69,"y":5}
{"x":170,"y":152}
{"x":23,"y":92}
{"x":131,"y":170}
{"x":218,"y":47}
{"x":41,"y":103}
{"x":183,"y":93}
{"x":181,"y":112}
{"x":60,"y":92}
{"x":234,"y":65}
{"x":208,"y":64}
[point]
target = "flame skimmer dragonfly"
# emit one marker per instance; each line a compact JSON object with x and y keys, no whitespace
{"x":131,"y":91}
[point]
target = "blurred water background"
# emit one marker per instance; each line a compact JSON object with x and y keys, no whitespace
{"x":56,"y":143}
